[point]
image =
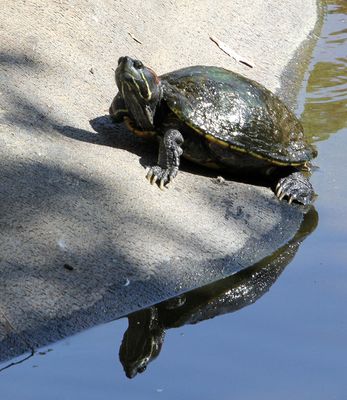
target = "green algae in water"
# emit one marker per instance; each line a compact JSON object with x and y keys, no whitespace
{"x":325,"y":110}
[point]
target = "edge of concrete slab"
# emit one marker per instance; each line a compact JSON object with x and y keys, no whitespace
{"x":295,"y":71}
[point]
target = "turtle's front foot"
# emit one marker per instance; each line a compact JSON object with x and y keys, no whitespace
{"x":168,"y":159}
{"x":296,"y":188}
{"x":162,"y":175}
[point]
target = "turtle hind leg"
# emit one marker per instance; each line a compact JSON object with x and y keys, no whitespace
{"x":296,"y":188}
{"x":170,"y":152}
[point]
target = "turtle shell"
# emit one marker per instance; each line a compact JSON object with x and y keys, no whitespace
{"x":236,"y":112}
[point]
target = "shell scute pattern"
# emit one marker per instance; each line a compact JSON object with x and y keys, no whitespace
{"x":230,"y":109}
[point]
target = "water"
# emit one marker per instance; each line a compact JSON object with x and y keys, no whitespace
{"x":288,"y":343}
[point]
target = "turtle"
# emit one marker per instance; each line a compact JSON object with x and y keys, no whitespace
{"x":216,"y":118}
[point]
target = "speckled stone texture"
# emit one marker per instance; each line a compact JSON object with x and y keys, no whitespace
{"x":84,"y":238}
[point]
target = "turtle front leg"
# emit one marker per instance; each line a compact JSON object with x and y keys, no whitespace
{"x":168,"y":159}
{"x":296,"y":187}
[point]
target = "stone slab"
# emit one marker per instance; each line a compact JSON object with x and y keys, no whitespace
{"x":84,"y":238}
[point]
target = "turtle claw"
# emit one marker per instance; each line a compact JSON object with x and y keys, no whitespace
{"x":161,"y":184}
{"x":296,"y":188}
{"x":149,"y":175}
{"x":281,"y":196}
{"x":162,"y":176}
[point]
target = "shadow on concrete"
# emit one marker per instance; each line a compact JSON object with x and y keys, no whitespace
{"x":113,"y":135}
{"x":36,"y":287}
{"x":18,"y":59}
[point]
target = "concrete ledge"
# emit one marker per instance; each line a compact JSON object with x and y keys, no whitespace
{"x":84,"y":238}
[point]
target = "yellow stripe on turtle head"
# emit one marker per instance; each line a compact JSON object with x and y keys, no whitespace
{"x":147,"y":86}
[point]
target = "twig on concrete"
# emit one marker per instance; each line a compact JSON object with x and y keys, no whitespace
{"x":134,"y":38}
{"x":227,"y":50}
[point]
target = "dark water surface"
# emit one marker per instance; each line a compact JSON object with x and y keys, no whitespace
{"x":289,"y":343}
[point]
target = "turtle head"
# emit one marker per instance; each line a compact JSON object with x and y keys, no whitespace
{"x":141,"y":90}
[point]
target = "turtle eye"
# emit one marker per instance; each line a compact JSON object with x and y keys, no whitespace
{"x":138,"y":64}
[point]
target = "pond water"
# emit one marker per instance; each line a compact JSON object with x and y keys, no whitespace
{"x":290,"y":340}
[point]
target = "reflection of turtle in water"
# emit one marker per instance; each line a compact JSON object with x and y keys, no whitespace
{"x":143,"y":340}
{"x":216,"y":118}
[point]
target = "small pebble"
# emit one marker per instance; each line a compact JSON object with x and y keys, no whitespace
{"x":220,"y":179}
{"x":126,"y":282}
